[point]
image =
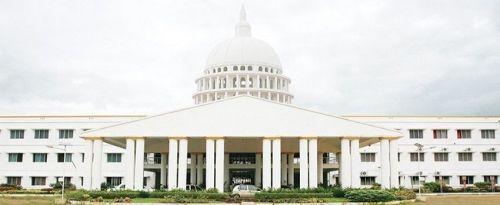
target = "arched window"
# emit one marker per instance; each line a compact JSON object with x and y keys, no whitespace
{"x":242,"y":67}
{"x":218,"y":70}
{"x":225,"y":69}
{"x":235,"y":68}
{"x":272,"y":70}
{"x":260,"y":69}
{"x":266,"y":70}
{"x":213,"y":71}
{"x":249,"y":68}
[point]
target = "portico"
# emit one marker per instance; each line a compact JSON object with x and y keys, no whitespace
{"x":272,"y":132}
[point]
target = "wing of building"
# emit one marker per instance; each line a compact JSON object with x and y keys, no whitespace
{"x":244,"y":129}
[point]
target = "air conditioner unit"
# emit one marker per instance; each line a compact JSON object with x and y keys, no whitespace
{"x":438,"y":173}
{"x":445,"y":149}
{"x":492,"y":149}
{"x":363,"y":173}
{"x":468,"y":149}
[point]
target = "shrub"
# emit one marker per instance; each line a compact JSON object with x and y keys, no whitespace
{"x":376,"y":186}
{"x":369,"y":195}
{"x":104,"y":186}
{"x":404,"y":194}
{"x":277,"y":197}
{"x":67,"y":186}
{"x":338,"y":192}
{"x":9,"y":187}
{"x":143,"y":194}
{"x":432,"y":187}
{"x":483,"y":186}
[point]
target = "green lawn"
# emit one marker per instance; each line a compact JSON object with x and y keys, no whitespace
{"x":28,"y":200}
{"x":461,"y":200}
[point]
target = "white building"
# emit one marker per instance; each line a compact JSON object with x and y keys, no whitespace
{"x":243,"y":129}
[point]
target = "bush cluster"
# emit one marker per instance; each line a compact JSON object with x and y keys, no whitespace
{"x":369,"y":195}
{"x":404,"y":194}
{"x":9,"y":187}
{"x":175,"y":195}
{"x":276,"y":196}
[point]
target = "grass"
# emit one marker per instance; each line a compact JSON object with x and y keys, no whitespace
{"x":28,"y":200}
{"x":335,"y":200}
{"x":461,"y":200}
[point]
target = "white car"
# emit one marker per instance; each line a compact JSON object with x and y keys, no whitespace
{"x":245,"y":190}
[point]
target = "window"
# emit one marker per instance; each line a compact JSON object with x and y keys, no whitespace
{"x":242,"y":158}
{"x":399,"y":156}
{"x":367,"y":157}
{"x":415,"y":158}
{"x":65,"y":134}
{"x":440,"y":157}
{"x":67,"y":180}
{"x":490,"y":179}
{"x":440,"y":134}
{"x":488,"y":134}
{"x":39,"y":157}
{"x":445,"y":180}
{"x":249,"y":68}
{"x":15,"y":157}
{"x":14,"y":180}
{"x":60,"y":157}
{"x":414,"y":180}
{"x":83,"y":157}
{"x":367,"y":180}
{"x":466,"y":179}
{"x":114,"y":157}
{"x":38,"y":181}
{"x":41,"y":134}
{"x":465,"y":156}
{"x":489,"y":156}
{"x":260,"y":69}
{"x":235,"y":68}
{"x":113,"y":181}
{"x":16,"y":134}
{"x":463,"y":134}
{"x":416,"y":134}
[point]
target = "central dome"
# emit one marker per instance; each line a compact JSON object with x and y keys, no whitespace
{"x":243,"y":49}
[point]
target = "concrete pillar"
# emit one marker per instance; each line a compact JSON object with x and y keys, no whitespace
{"x":87,"y":178}
{"x":313,"y":163}
{"x":393,"y":158}
{"x":139,"y":164}
{"x":199,"y":167}
{"x":258,"y":170}
{"x":219,"y":165}
{"x":266,"y":163}
{"x":172,"y":163}
{"x":210,"y":163}
{"x":97,"y":164}
{"x":226,"y":172}
{"x":130,"y":163}
{"x":304,"y":171}
{"x":276,"y":183}
{"x":284,"y":170}
{"x":192,"y":169}
{"x":345,"y":168}
{"x":163,"y":170}
{"x":290,"y":170}
{"x":355,"y":164}
{"x":320,"y":168}
{"x":182,"y":175}
{"x":384,"y":163}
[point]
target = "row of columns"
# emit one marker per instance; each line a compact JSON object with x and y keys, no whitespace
{"x":226,"y":81}
{"x":217,"y":95}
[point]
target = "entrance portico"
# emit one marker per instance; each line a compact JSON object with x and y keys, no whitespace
{"x":213,"y":134}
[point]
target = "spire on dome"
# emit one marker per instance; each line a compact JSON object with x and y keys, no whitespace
{"x":243,"y":27}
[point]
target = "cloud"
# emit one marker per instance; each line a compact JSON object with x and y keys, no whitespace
{"x":384,"y":57}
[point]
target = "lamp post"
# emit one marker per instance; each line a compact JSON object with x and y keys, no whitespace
{"x":65,"y":145}
{"x":420,"y":148}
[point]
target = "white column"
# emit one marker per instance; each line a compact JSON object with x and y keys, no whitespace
{"x":97,"y":165}
{"x":320,"y":168}
{"x":355,"y":164}
{"x":182,"y":175}
{"x":172,"y":163}
{"x":266,"y":163}
{"x":210,"y":163}
{"x":393,"y":144}
{"x":313,"y":163}
{"x":284,"y":170}
{"x":345,"y":166}
{"x":193,"y":169}
{"x":163,"y":170}
{"x":304,"y":171}
{"x":199,"y":167}
{"x":258,"y":170}
{"x":87,"y":178}
{"x":219,"y":165}
{"x":139,"y":164}
{"x":384,"y":163}
{"x":130,"y":165}
{"x":276,"y":183}
{"x":290,"y":170}
{"x":226,"y":172}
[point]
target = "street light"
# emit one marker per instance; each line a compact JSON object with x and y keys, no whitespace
{"x":420,"y":147}
{"x":64,"y":165}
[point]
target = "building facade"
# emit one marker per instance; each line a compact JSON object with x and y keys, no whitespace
{"x":244,"y":129}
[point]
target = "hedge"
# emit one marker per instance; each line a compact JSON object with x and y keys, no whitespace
{"x":276,"y":197}
{"x":369,"y":195}
{"x":82,"y":195}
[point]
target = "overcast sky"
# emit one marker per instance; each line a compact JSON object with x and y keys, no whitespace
{"x":141,"y":57}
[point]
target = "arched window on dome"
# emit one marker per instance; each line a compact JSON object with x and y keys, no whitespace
{"x":218,"y":70}
{"x":249,"y":68}
{"x":260,"y":69}
{"x":225,"y":69}
{"x":213,"y":71}
{"x":250,"y":82}
{"x":242,"y":68}
{"x":266,"y":70}
{"x":243,"y":82}
{"x":235,"y":68}
{"x":272,"y":70}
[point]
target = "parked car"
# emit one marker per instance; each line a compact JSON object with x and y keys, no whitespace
{"x":117,"y":188}
{"x":193,"y":187}
{"x":245,"y":190}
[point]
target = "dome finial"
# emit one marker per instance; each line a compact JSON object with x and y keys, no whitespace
{"x":243,"y":27}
